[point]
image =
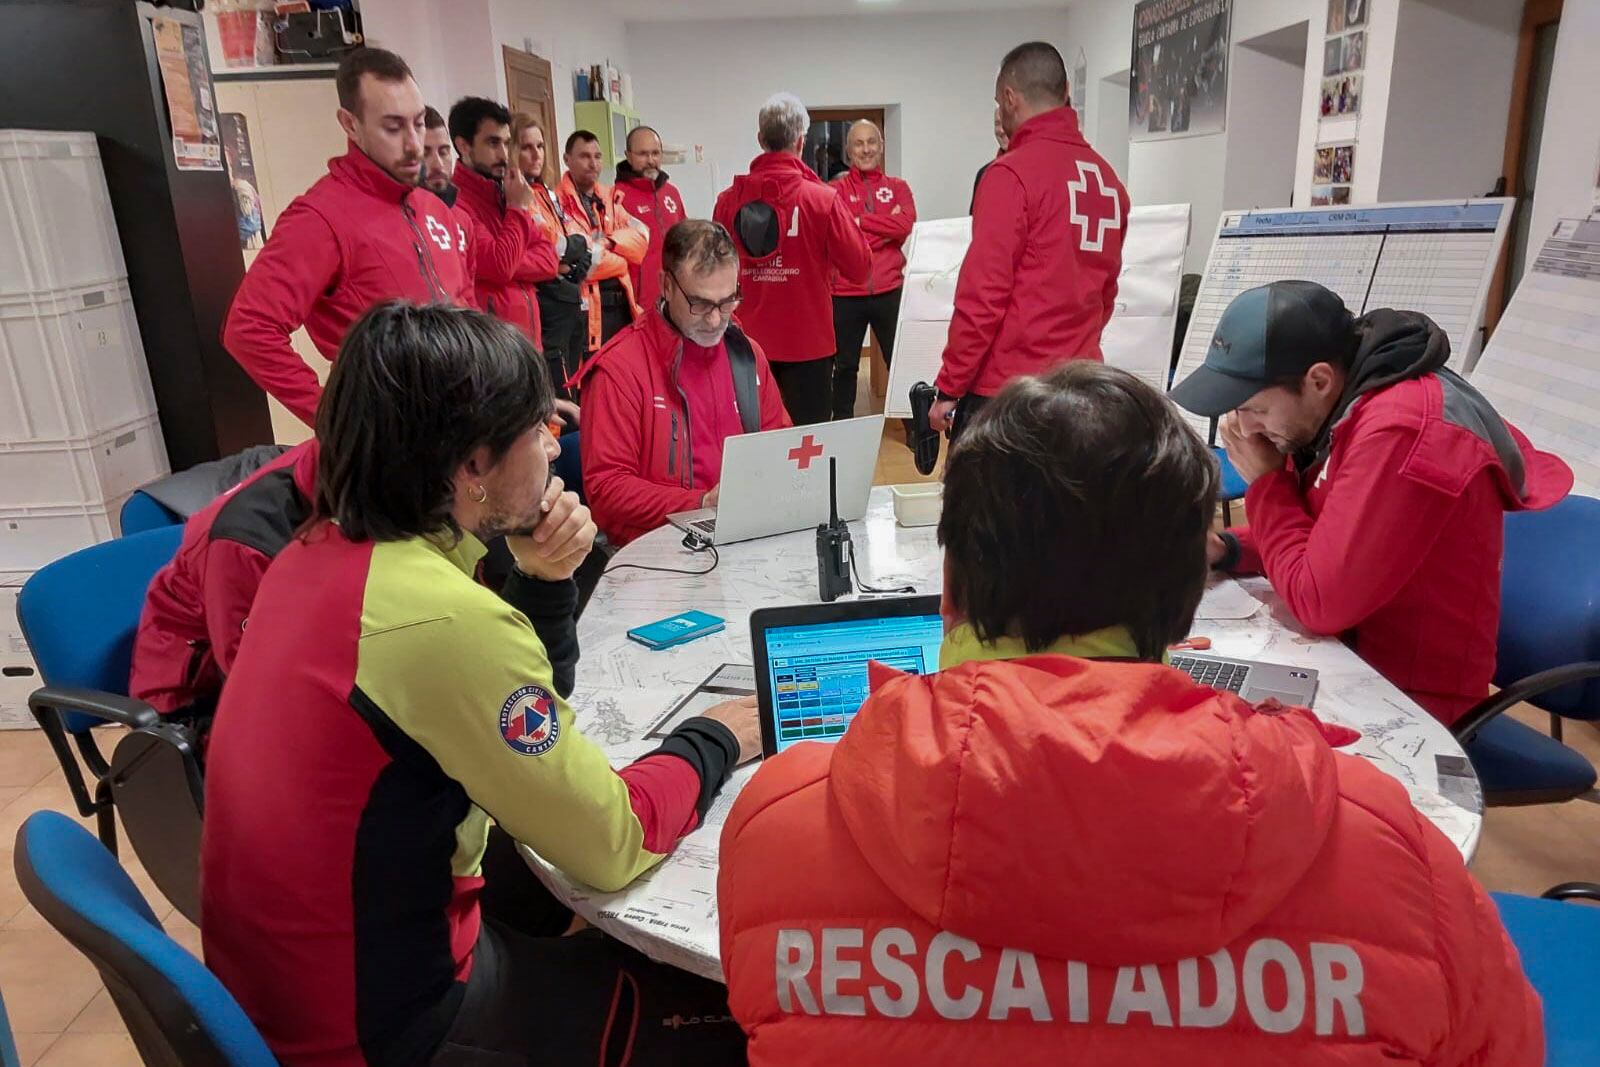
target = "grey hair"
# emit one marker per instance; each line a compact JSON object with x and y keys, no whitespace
{"x":782,"y":122}
{"x":700,"y":243}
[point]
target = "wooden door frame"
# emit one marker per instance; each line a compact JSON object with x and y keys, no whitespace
{"x":516,"y":60}
{"x":1536,"y":15}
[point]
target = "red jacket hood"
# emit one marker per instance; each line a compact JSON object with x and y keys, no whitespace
{"x":773,"y":177}
{"x":474,"y":188}
{"x":942,"y":778}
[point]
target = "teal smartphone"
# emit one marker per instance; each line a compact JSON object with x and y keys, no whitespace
{"x":676,"y":629}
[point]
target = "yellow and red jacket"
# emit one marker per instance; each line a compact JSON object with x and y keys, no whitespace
{"x":628,"y":238}
{"x":1042,"y":858}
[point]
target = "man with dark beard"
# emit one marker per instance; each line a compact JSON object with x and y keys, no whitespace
{"x":645,"y":192}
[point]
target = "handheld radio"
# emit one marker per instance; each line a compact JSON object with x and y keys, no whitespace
{"x":833,"y":545}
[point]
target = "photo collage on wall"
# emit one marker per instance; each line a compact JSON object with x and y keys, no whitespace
{"x":1344,"y":56}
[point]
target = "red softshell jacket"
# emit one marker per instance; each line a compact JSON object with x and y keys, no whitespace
{"x":354,"y":239}
{"x":636,"y":464}
{"x":1055,"y":860}
{"x":885,"y":212}
{"x":511,"y":254}
{"x":787,"y":305}
{"x":659,"y":206}
{"x":1395,"y":539}
{"x":1039,"y":282}
{"x":195,"y":611}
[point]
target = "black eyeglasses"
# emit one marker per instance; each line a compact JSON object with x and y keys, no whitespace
{"x":701,"y":308}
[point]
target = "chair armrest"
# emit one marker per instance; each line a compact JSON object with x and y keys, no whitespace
{"x":1467,"y":727}
{"x":111,"y":707}
{"x":1572,"y":891}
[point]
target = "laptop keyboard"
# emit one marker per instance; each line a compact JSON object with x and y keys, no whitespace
{"x":704,"y":526}
{"x":1217,"y":673}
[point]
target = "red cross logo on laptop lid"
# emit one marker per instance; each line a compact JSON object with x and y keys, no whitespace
{"x":807,"y":450}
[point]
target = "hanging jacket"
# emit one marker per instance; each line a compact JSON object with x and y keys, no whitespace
{"x":658,"y":205}
{"x":627,"y":239}
{"x":513,"y":254}
{"x":194,"y":614}
{"x":637,"y":464}
{"x":793,"y":233}
{"x":885,"y":212}
{"x":1389,"y":529}
{"x":1039,"y":281}
{"x":1041,"y":858}
{"x":353,"y":240}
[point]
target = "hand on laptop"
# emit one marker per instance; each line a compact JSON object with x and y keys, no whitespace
{"x":561,"y":540}
{"x":710,"y":499}
{"x":741,"y":717}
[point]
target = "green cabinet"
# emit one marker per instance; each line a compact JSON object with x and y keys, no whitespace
{"x":609,"y":122}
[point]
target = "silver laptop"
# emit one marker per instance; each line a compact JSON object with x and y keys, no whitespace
{"x":776,"y":482}
{"x":1251,"y":679}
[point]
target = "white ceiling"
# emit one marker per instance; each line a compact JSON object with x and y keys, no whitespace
{"x":688,"y":10}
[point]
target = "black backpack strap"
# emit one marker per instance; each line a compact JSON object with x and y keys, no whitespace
{"x":746,"y":389}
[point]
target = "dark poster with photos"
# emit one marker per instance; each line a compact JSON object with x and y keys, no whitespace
{"x":1179,"y":69}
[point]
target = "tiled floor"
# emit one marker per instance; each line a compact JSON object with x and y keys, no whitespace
{"x":63,"y":1017}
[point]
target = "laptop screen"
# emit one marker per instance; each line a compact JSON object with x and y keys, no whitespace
{"x":818,"y":671}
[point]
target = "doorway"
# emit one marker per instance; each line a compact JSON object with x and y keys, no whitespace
{"x":1530,"y":92}
{"x":530,"y":90}
{"x":1265,"y":88}
{"x":1110,"y":137}
{"x":824,"y":154}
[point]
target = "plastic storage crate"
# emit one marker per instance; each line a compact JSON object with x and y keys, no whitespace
{"x":18,"y":676}
{"x":108,"y":466}
{"x":32,"y":537}
{"x":71,"y":365}
{"x":56,"y":226}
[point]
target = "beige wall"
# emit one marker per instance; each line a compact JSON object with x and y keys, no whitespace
{"x":293,"y":134}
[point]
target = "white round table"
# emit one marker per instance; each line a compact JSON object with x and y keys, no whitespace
{"x":623,"y":689}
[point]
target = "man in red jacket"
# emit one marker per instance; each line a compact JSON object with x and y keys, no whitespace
{"x":195,"y":610}
{"x":1040,"y":280}
{"x":793,"y":233}
{"x":438,"y":156}
{"x":512,"y":255}
{"x":885,"y":212}
{"x":1058,"y":850}
{"x":1378,"y":482}
{"x":363,"y":234}
{"x":663,"y":396}
{"x":643,"y":190}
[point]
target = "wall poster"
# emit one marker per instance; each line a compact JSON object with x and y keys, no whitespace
{"x":1180,"y":68}
{"x":186,"y":81}
{"x":242,"y":176}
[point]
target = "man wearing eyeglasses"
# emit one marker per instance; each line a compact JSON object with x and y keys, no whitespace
{"x":661,"y":398}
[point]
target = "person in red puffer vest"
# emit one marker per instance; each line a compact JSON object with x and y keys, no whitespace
{"x":793,"y":234}
{"x":1039,"y":282}
{"x":884,"y":212}
{"x":663,"y":396}
{"x":363,"y":234}
{"x":643,"y":190}
{"x":1056,"y":849}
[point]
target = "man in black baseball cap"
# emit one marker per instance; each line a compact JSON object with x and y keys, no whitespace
{"x":1378,"y":481}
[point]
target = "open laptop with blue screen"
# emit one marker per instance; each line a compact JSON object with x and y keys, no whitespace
{"x":811,"y":661}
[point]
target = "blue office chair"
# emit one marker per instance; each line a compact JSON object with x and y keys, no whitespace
{"x":1231,"y":487}
{"x":79,"y":615}
{"x":141,"y":512}
{"x":177,"y":1012}
{"x":8,"y":1043}
{"x":1559,"y":944}
{"x":1548,"y":655}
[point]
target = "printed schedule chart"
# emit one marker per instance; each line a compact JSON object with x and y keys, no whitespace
{"x":1541,"y":369}
{"x":1436,"y":258}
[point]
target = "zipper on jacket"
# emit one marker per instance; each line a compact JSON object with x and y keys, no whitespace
{"x":872,"y":281}
{"x":424,"y":257}
{"x":672,"y":453}
{"x":688,"y":426}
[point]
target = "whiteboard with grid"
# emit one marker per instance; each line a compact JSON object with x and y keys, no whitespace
{"x":1435,"y":257}
{"x":1541,"y":370}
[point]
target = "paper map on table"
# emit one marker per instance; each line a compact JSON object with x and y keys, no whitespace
{"x":727,"y":682}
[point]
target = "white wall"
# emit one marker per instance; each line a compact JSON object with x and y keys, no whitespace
{"x":703,"y":83}
{"x":1264,"y":120}
{"x":1570,"y":154}
{"x":572,"y":35}
{"x":1446,"y":117}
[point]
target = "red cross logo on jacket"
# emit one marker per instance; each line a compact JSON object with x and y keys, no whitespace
{"x":1102,"y":221}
